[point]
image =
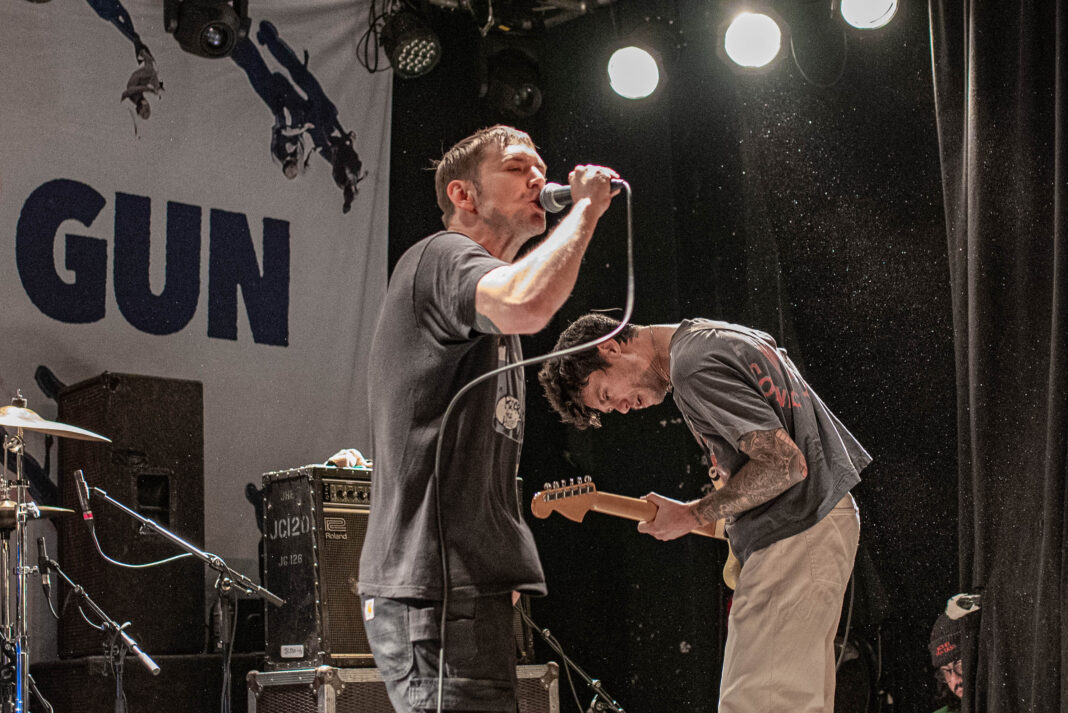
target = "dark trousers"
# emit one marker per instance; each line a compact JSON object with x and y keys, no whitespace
{"x":480,"y":660}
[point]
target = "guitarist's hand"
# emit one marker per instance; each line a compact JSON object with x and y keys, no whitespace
{"x":673,"y":518}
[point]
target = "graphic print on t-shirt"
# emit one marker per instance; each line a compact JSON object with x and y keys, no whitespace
{"x":508,"y":409}
{"x":772,"y":391}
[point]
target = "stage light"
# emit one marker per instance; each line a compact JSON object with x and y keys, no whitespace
{"x":412,"y":47}
{"x":868,"y":14}
{"x":633,"y":72}
{"x":643,"y":59}
{"x":511,"y":78}
{"x":752,"y":40}
{"x":207,"y":28}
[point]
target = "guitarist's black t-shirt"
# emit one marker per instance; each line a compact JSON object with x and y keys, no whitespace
{"x":730,"y":380}
{"x":426,"y":347}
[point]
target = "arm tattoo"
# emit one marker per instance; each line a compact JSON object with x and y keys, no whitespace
{"x":775,"y":464}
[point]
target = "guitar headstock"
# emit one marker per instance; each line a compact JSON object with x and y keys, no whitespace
{"x":572,"y":499}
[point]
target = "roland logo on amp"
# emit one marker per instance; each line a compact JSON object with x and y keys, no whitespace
{"x":335,"y":528}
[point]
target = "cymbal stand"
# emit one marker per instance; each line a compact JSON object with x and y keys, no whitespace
{"x":16,"y":624}
{"x":601,"y":700}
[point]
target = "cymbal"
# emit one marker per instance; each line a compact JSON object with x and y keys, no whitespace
{"x":9,"y":507}
{"x":50,"y":511}
{"x":18,"y":417}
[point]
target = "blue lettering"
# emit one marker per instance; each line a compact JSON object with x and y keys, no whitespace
{"x":45,"y":210}
{"x":232,"y":262}
{"x":174,"y":307}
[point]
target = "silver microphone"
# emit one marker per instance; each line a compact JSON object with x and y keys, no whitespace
{"x":43,"y":566}
{"x":555,"y":197}
{"x":82,"y":488}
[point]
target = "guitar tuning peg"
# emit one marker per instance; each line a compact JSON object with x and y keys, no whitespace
{"x":587,"y":479}
{"x":545,"y":486}
{"x":556,"y":484}
{"x":571,"y":481}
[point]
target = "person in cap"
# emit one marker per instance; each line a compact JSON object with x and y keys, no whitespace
{"x":946,"y":659}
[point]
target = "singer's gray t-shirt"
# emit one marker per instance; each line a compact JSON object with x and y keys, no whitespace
{"x":427,"y":346}
{"x":731,"y":380}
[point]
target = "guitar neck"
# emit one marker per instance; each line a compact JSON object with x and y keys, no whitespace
{"x":638,"y":510}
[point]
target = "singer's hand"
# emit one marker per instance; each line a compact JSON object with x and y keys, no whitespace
{"x":595,"y":183}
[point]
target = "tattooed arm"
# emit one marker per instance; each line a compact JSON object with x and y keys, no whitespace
{"x":775,"y":464}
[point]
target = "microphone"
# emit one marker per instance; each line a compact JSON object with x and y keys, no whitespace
{"x":82,"y":489}
{"x":555,"y":197}
{"x":144,"y":658}
{"x":43,"y":566}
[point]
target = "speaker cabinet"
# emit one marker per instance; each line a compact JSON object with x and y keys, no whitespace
{"x":154,"y":465}
{"x":314,"y":524}
{"x":332,"y":690}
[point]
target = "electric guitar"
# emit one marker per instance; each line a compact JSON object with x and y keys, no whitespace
{"x":574,"y":499}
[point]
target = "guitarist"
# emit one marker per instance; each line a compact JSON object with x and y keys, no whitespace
{"x":786,"y":465}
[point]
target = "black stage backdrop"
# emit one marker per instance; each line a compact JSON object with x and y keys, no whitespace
{"x":813,"y":212}
{"x":1000,"y":88}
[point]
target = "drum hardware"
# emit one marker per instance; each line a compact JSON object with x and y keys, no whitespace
{"x":16,"y":509}
{"x":20,"y":417}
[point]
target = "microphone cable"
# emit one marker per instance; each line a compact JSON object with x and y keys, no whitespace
{"x":128,"y":565}
{"x":435,"y":478}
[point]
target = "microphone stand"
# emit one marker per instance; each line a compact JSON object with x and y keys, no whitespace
{"x":227,"y":581}
{"x":601,"y":700}
{"x":110,"y":627}
{"x":214,"y":561}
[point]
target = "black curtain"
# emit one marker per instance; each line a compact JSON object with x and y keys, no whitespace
{"x":1000,"y":100}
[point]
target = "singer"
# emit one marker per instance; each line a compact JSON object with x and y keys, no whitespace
{"x":456,"y":302}
{"x":783,"y":466}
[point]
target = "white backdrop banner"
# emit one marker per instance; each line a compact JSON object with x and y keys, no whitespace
{"x":220,"y":220}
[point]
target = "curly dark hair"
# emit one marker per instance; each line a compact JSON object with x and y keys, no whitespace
{"x":563,"y":378}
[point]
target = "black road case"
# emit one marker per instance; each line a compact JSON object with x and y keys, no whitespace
{"x":360,"y":690}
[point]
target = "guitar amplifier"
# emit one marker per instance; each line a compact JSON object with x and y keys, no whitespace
{"x":314,"y":524}
{"x":334,"y":690}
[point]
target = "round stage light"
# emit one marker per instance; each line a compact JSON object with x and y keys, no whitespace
{"x":633,"y":72}
{"x":868,"y":14}
{"x":752,"y":40}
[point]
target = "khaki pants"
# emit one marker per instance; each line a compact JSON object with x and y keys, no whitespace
{"x":780,"y":656}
